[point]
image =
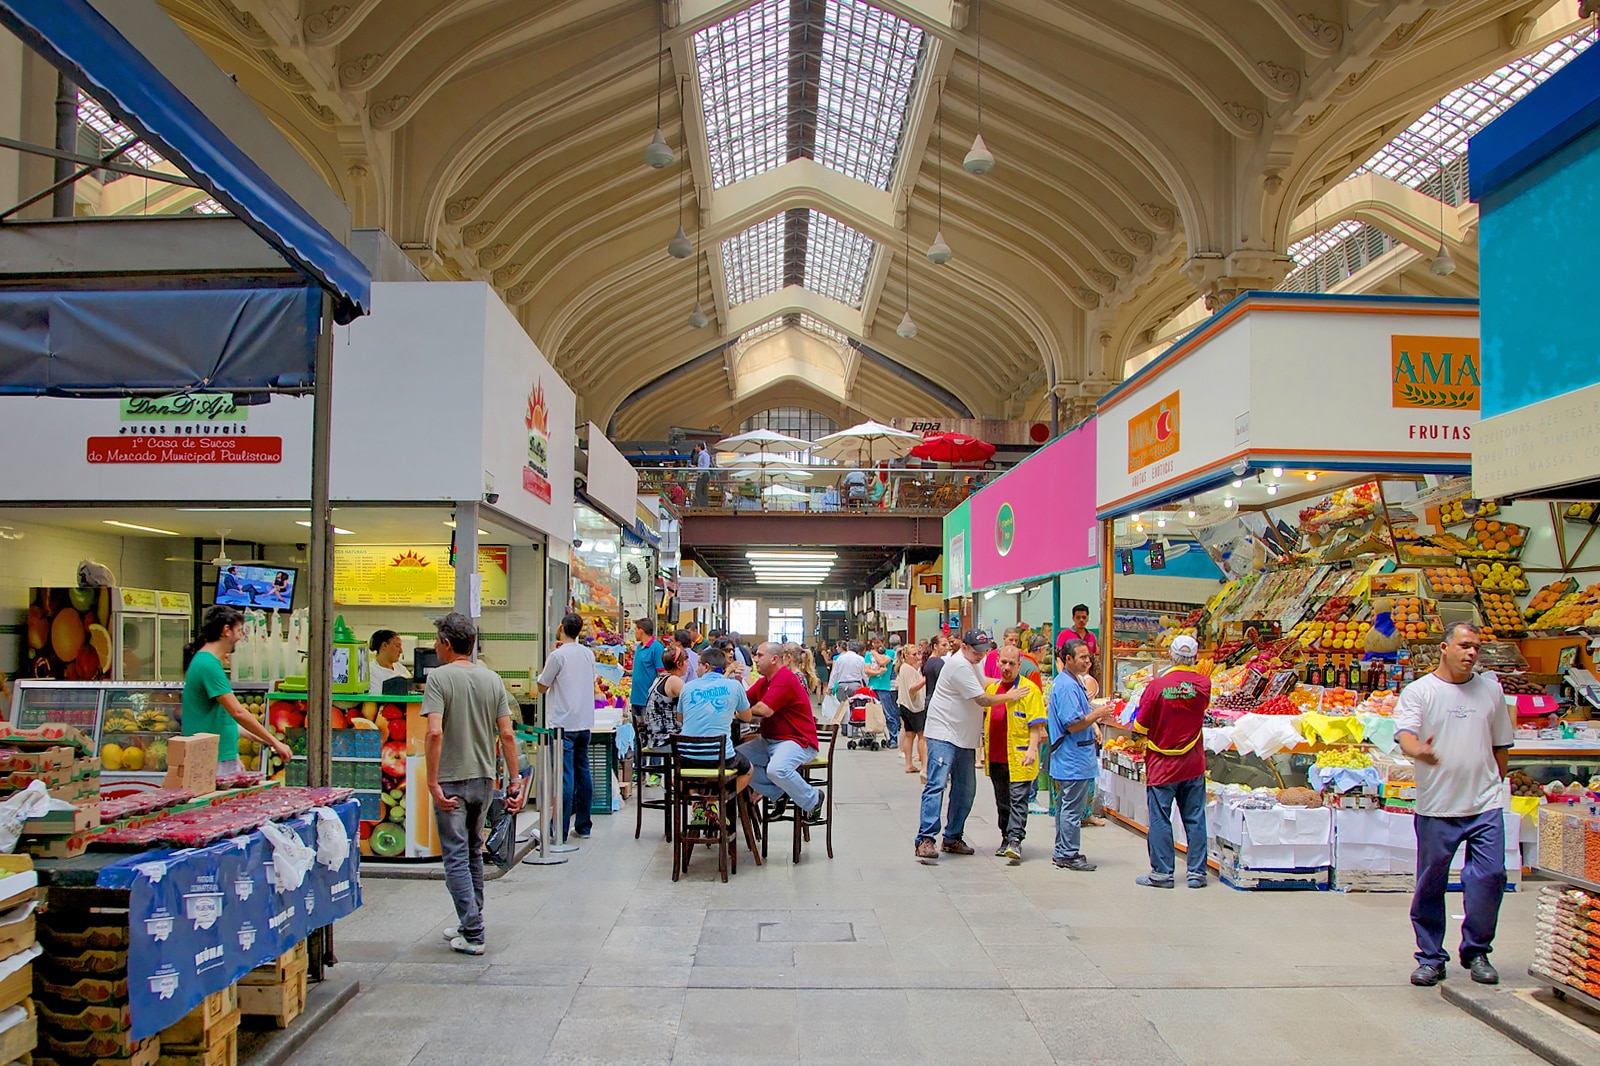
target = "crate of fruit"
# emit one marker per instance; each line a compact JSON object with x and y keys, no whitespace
{"x":1586,"y":513}
{"x":1548,"y":596}
{"x":1462,"y":509}
{"x":1499,"y":576}
{"x":1491,"y":539}
{"x":1448,"y":583}
{"x":1501,"y":614}
{"x":1416,"y":618}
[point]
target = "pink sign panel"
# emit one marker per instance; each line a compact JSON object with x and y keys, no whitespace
{"x":1038,"y":517}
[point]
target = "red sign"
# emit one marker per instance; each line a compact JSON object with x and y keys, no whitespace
{"x":196,"y":449}
{"x":536,"y":483}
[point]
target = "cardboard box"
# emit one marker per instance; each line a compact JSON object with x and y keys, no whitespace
{"x":43,"y":737}
{"x":83,"y":815}
{"x":94,"y":962}
{"x":18,"y":882}
{"x":13,"y":760}
{"x":84,"y":990}
{"x":192,"y":763}
{"x":68,"y":847}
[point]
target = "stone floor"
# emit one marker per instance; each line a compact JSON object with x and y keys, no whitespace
{"x":873,"y":957}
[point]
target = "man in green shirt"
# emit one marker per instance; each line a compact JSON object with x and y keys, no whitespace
{"x":209,"y":705}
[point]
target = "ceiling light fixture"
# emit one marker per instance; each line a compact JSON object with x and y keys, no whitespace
{"x":1014,"y":590}
{"x":1161,"y":522}
{"x":1442,"y":264}
{"x":791,"y":555}
{"x":344,"y":532}
{"x":979,"y":160}
{"x":141,"y":529}
{"x":907,"y":329}
{"x":939,"y":252}
{"x":990,"y":594}
{"x":1311,"y":475}
{"x":1272,"y":490}
{"x":697,"y":316}
{"x":1238,"y":483}
{"x":1227,"y":501}
{"x":1277,"y":471}
{"x":1135,"y":516}
{"x":657,"y":154}
{"x":448,"y":522}
{"x":1191,"y":512}
{"x":1138,"y":527}
{"x":679,"y":247}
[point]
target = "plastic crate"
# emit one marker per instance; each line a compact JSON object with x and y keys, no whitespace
{"x":602,"y":758}
{"x":357,"y":744}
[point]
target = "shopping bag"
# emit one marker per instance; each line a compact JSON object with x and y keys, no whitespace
{"x":830,"y":708}
{"x":500,"y":843}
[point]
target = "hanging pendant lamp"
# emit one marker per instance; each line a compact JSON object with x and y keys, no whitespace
{"x":658,"y":154}
{"x":697,"y":317}
{"x":939,"y":252}
{"x":1444,"y":263}
{"x":679,"y":247}
{"x":907,"y":328}
{"x":979,"y":159}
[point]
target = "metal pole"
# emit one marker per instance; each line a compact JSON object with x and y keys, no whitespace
{"x":558,"y":758}
{"x":541,"y":784}
{"x":1108,"y":570}
{"x":319,"y":695}
{"x":61,"y":204}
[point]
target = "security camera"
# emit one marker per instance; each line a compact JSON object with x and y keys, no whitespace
{"x":1241,"y":468}
{"x":491,"y":497}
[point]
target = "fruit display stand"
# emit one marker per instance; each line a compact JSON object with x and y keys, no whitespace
{"x":129,"y":722}
{"x":143,"y":950}
{"x":379,"y":749}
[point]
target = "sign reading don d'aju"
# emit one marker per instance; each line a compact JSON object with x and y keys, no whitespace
{"x":184,"y":407}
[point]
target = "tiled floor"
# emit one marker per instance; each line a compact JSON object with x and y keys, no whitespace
{"x":873,"y":957}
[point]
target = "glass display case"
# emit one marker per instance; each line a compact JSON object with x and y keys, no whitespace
{"x":597,"y":570}
{"x":129,"y":722}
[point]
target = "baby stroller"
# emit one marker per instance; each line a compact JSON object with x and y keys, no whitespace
{"x":864,"y":723}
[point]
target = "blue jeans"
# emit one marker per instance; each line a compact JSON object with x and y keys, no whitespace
{"x":461,"y":844}
{"x":891,"y":713}
{"x":955,"y":768}
{"x":775,"y":770}
{"x":1070,"y":806}
{"x":577,"y":783}
{"x":1483,"y":883}
{"x":1191,"y":799}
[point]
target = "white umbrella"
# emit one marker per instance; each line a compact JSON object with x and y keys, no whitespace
{"x":785,"y":492}
{"x":775,"y":474}
{"x":763,"y":440}
{"x":766,"y":459}
{"x":866,"y":443}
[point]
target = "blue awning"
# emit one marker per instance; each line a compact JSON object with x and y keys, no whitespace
{"x":79,"y":42}
{"x":88,"y":342}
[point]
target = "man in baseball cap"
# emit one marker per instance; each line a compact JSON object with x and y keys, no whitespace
{"x":954,"y":733}
{"x":1171,"y":713}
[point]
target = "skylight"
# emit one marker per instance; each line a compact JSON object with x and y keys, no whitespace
{"x":115,"y":134}
{"x":1428,"y":155}
{"x":801,"y":246}
{"x":823,"y":330}
{"x":828,"y":80}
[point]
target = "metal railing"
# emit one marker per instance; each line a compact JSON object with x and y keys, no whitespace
{"x":828,"y":489}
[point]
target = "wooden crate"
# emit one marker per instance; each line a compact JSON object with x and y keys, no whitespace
{"x":18,"y":1042}
{"x":225,"y":1052}
{"x":216,"y":1014}
{"x":296,"y":959}
{"x":282,"y":1003}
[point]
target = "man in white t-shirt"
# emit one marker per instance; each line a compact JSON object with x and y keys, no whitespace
{"x":567,"y":683}
{"x":1453,"y":724}
{"x":954,"y":733}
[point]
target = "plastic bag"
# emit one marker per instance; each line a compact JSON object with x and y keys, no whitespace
{"x":31,"y":802}
{"x":500,"y":844}
{"x":625,"y":739}
{"x":291,"y":856}
{"x":333,"y":840}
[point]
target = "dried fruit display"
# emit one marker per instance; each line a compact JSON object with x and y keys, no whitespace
{"x":1449,"y":582}
{"x":1299,"y":797}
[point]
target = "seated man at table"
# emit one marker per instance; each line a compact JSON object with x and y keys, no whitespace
{"x":708,"y":705}
{"x":788,"y":738}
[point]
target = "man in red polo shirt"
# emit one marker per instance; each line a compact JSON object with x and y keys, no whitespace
{"x":788,"y":737}
{"x":1171,"y":713}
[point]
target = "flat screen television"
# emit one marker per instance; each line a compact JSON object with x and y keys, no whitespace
{"x":423,"y":660}
{"x":248,"y":585}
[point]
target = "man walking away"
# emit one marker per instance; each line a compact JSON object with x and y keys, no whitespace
{"x":849,"y":671}
{"x":954,"y":731}
{"x":1073,"y":764}
{"x":1171,"y":713}
{"x":1013,"y":735}
{"x":1453,"y":724}
{"x":568,"y":681}
{"x":880,"y":670}
{"x":788,"y":738}
{"x":467,"y":708}
{"x":702,"y":484}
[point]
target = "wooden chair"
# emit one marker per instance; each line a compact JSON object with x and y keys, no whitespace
{"x":711,"y":782}
{"x":819,"y":772}
{"x":648,"y":761}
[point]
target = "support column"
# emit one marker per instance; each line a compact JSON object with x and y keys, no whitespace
{"x":319,"y":695}
{"x":61,"y":205}
{"x":466,"y":555}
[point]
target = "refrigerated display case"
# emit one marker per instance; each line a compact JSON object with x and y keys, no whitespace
{"x":129,"y":721}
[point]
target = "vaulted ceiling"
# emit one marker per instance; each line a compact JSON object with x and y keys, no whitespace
{"x":1147,"y":151}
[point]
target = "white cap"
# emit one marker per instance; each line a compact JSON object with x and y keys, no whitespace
{"x":1186,"y":646}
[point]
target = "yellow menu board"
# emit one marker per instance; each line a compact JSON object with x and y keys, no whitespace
{"x":407,"y":575}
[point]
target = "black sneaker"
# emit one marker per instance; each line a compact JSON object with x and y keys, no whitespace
{"x":816,"y":814}
{"x":780,"y":807}
{"x":1077,"y":862}
{"x":1427,"y":975}
{"x":1481,"y":971}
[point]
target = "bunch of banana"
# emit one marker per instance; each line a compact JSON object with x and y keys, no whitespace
{"x":120,"y":720}
{"x":156,"y":721}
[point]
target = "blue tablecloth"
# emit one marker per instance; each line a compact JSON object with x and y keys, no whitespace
{"x":200,"y":918}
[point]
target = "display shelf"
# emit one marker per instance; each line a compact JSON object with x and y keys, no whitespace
{"x":1576,"y":995}
{"x":1576,"y":882}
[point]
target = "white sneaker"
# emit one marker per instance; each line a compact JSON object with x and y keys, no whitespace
{"x":465,"y":946}
{"x":451,"y":933}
